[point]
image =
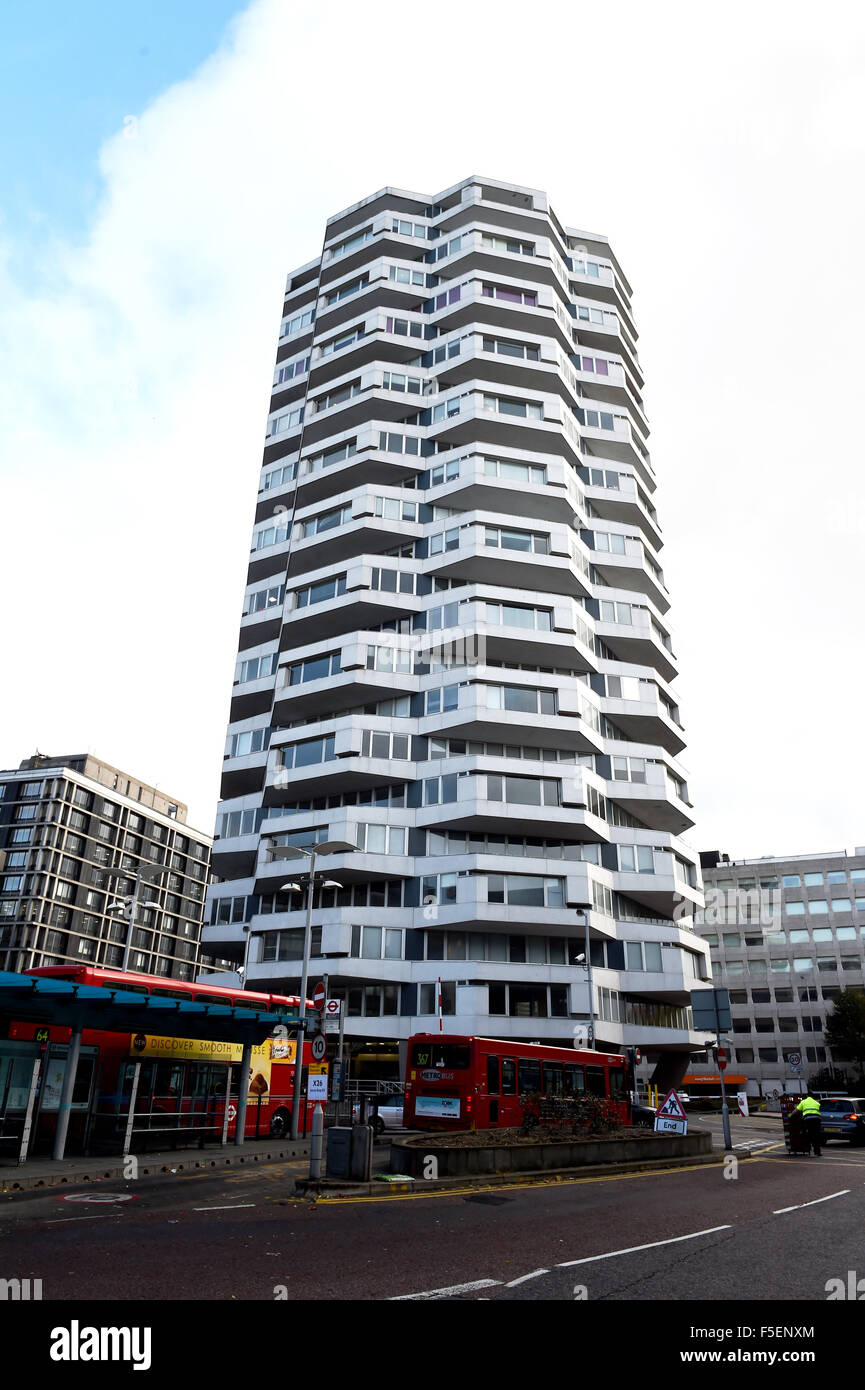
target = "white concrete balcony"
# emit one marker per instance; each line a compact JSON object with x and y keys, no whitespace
{"x":270,"y":560}
{"x":256,"y":629}
{"x":591,"y":277}
{"x":646,"y":721}
{"x":546,"y":317}
{"x":362,"y":538}
{"x":374,"y":238}
{"x":243,"y":775}
{"x":623,"y":503}
{"x":636,"y":642}
{"x":378,"y":291}
{"x":654,"y":802}
{"x":359,"y":608}
{"x":250,"y":698}
{"x":475,"y":252}
{"x":474,"y":810}
{"x":622,"y":444}
{"x":563,"y":570}
{"x":562,"y":646}
{"x":326,"y":471}
{"x":552,"y":493}
{"x":378,"y":345}
{"x":495,"y":370}
{"x":369,"y":399}
{"x":235,"y":857}
{"x":635,"y":569}
{"x":474,"y":719}
{"x":664,"y":892}
{"x":615,"y":388}
{"x":490,"y":430}
{"x":346,"y":771}
{"x":621,"y":1036}
{"x":327,"y":696}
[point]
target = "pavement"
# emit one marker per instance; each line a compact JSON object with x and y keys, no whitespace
{"x":48,"y":1172}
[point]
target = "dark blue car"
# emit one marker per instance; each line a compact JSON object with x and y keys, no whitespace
{"x":843,"y":1117}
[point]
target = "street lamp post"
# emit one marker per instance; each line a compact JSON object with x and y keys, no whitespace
{"x":145,"y":873}
{"x":582,"y":915}
{"x":291,"y":852}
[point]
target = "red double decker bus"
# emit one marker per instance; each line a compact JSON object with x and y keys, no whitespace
{"x":184,"y":1084}
{"x":460,"y":1082}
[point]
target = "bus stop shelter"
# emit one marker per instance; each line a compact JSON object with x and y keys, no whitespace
{"x":64,"y":1004}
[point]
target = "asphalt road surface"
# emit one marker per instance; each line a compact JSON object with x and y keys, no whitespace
{"x":781,"y":1228}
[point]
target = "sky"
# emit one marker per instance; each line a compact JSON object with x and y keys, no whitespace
{"x":170,"y":164}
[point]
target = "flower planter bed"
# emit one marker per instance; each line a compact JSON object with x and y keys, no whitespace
{"x":512,"y":1151}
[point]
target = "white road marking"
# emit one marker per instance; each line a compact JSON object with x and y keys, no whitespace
{"x":448,"y":1292}
{"x":234,"y":1206}
{"x":97,"y":1198}
{"x":522,"y":1280}
{"x":653,"y":1245}
{"x":815,"y":1203}
{"x":59,"y":1220}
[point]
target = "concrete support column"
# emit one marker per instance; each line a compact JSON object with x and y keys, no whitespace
{"x":66,"y":1093}
{"x":243,"y":1093}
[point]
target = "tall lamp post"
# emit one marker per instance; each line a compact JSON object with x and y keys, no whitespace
{"x":127,"y":907}
{"x":291,"y":852}
{"x":583,"y":918}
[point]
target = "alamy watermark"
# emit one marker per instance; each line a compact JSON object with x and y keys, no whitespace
{"x":734,"y":906}
{"x":20,"y":1290}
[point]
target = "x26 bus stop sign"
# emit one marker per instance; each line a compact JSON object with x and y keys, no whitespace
{"x":670,"y":1118}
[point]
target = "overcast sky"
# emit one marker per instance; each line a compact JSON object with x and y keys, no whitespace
{"x":170,"y":171}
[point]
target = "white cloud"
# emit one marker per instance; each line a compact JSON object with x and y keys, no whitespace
{"x":134,"y":379}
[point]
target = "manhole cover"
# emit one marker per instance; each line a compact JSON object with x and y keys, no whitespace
{"x":483,"y":1200}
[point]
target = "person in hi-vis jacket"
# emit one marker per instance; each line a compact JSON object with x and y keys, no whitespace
{"x":809,"y":1108}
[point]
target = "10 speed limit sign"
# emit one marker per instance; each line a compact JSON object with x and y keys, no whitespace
{"x":319,"y":1047}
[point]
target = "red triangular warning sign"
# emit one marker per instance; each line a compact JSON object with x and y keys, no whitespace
{"x":671,"y":1107}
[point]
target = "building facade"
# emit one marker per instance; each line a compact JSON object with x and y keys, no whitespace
{"x":786,"y":936}
{"x":455,"y":651}
{"x":75,"y":832}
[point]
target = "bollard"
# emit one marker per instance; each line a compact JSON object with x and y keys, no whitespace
{"x":315,"y":1146}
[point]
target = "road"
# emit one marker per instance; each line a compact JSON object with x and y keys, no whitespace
{"x":689,"y":1233}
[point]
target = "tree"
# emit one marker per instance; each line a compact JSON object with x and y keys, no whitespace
{"x":845,"y":1027}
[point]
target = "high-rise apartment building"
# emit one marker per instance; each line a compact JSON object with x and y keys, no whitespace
{"x":75,"y":835}
{"x":786,"y":935}
{"x":454,"y":651}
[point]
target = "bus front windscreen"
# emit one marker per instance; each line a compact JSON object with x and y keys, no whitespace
{"x":441,"y":1056}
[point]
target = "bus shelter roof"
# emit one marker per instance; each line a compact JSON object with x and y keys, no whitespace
{"x":64,"y":1004}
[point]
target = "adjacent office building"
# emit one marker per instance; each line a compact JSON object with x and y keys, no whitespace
{"x":455,"y":653}
{"x":786,"y":936}
{"x":76,"y":834}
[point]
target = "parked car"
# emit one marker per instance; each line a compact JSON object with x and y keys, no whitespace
{"x":383,"y":1114}
{"x":843,"y":1118}
{"x":643,"y":1116}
